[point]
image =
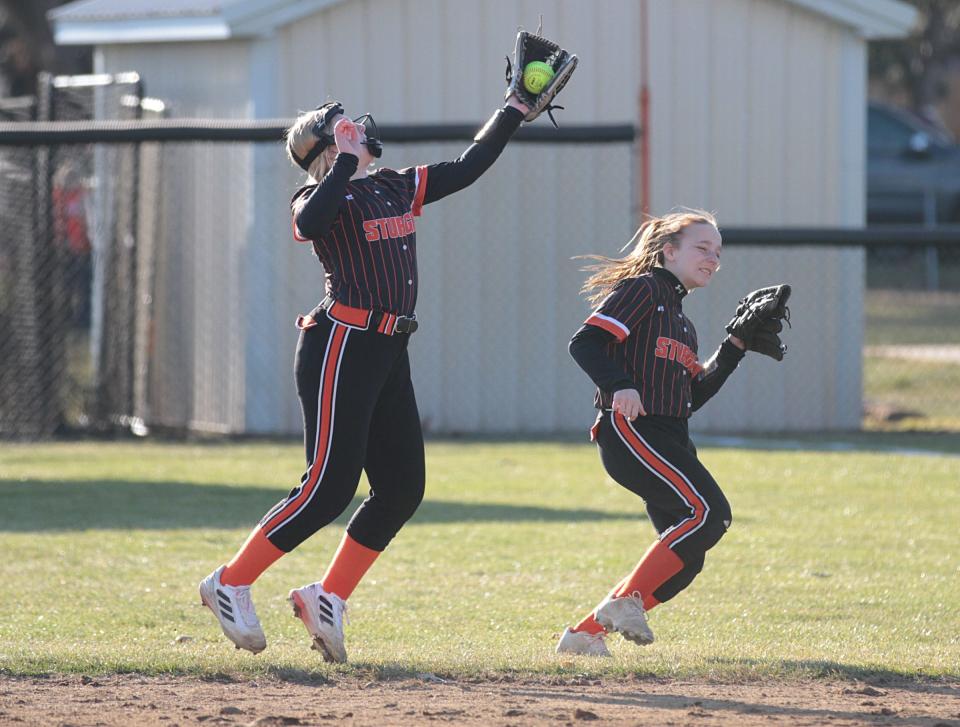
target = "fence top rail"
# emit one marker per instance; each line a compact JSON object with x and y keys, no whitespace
{"x":45,"y":133}
{"x":911,"y":235}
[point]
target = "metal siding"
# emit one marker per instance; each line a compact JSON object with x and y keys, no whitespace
{"x":748,"y":122}
{"x":205,"y":229}
{"x":498,"y":297}
{"x":766,"y":152}
{"x":728,"y":119}
{"x":751,"y":117}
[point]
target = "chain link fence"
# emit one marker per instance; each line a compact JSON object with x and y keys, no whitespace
{"x":67,"y":226}
{"x":152,"y":284}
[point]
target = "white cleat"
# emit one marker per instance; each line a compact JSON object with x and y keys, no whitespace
{"x":583,"y":643}
{"x":626,"y":615}
{"x":322,"y":613}
{"x":235,"y":612}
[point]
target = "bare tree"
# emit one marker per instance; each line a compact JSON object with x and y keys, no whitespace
{"x":918,"y":65}
{"x":26,"y":46}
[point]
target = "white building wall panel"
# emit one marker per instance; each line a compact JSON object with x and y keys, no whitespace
{"x":755,"y":114}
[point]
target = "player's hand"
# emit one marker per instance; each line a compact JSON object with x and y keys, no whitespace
{"x":518,"y":104}
{"x":627,"y":402}
{"x":347,"y":135}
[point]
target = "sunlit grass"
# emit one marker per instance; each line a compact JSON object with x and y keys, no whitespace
{"x":840,"y":563}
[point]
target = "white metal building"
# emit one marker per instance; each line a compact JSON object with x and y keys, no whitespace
{"x":757,"y":111}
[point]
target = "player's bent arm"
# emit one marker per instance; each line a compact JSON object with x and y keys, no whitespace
{"x":588,"y":347}
{"x":715,"y":373}
{"x":445,"y":178}
{"x":315,"y":213}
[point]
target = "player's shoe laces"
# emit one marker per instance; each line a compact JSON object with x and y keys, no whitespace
{"x":626,"y":615}
{"x":235,"y":612}
{"x":323,"y":614}
{"x":581,"y":642}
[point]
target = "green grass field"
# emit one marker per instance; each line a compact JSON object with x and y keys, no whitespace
{"x":926,"y":394}
{"x":923,"y":395}
{"x":895,"y":317}
{"x":840,"y":564}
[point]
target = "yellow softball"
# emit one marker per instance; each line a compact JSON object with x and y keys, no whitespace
{"x":536,"y":75}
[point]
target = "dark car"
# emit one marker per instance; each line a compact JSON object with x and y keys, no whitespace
{"x":913,"y":169}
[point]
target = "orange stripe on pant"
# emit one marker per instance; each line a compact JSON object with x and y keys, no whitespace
{"x":331,"y":365}
{"x":667,"y":473}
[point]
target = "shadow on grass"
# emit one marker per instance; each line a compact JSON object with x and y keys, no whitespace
{"x":41,"y":505}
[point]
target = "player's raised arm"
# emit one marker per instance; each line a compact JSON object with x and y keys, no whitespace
{"x":330,"y":149}
{"x":540,"y":69}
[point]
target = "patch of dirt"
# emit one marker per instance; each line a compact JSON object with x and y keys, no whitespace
{"x":168,"y":701}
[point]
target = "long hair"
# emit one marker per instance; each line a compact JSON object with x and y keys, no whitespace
{"x":647,"y":253}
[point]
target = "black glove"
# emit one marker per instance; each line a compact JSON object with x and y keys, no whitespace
{"x":759,"y":320}
{"x":532,"y":48}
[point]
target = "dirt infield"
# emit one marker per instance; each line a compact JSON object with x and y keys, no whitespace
{"x":168,"y":701}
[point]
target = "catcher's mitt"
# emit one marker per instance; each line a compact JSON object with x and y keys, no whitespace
{"x":758,"y":320}
{"x":530,"y":48}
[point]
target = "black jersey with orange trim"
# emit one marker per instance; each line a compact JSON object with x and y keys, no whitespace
{"x":654,"y":342}
{"x":364,"y":230}
{"x":639,"y":338}
{"x":369,"y":253}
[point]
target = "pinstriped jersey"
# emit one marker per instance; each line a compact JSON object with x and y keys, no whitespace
{"x":654,"y":342}
{"x":369,"y":254}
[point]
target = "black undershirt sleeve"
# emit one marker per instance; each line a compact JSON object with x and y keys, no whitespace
{"x":715,"y":372}
{"x":316,"y":213}
{"x":445,"y":178}
{"x":589,"y":349}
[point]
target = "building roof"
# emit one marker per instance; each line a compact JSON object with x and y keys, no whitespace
{"x":101,"y":22}
{"x":868,"y":18}
{"x":106,"y":10}
{"x":95,"y":22}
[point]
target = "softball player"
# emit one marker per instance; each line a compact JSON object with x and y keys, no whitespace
{"x":640,"y":350}
{"x":352,"y":369}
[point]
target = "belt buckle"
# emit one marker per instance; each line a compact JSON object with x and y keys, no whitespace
{"x":405,"y":325}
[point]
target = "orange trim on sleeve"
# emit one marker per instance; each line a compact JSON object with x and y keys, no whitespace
{"x":609,"y":325}
{"x":296,"y":233}
{"x":420,"y":192}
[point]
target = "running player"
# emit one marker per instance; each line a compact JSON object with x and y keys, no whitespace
{"x":352,"y":369}
{"x":640,"y":350}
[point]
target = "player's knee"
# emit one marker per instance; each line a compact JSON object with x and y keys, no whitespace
{"x":398,"y":504}
{"x":412,"y":499}
{"x":716,"y":526}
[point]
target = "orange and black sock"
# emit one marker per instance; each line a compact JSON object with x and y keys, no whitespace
{"x":349,"y":565}
{"x":253,"y":558}
{"x":658,"y":565}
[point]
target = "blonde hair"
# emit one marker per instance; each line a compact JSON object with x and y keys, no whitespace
{"x":301,"y":139}
{"x":647,"y":253}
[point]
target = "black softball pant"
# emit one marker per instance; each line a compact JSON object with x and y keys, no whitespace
{"x":359,"y":413}
{"x":654,"y":458}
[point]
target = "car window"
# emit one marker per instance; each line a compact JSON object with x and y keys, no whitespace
{"x":886,"y":132}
